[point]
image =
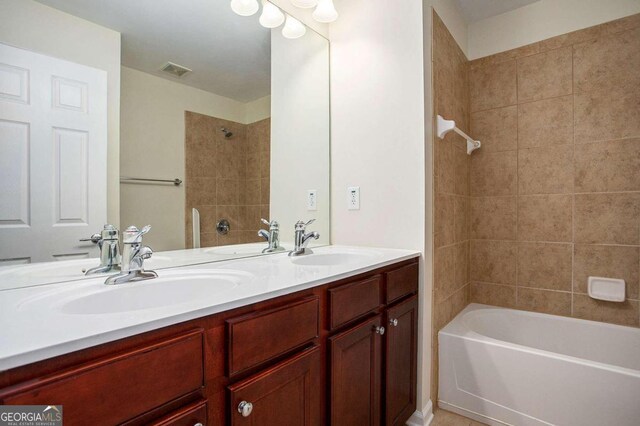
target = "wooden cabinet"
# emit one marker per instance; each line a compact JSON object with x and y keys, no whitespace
{"x":355,"y":384}
{"x":285,"y":395}
{"x":401,"y":349}
{"x":191,"y":415}
{"x":118,"y":387}
{"x":315,"y":357}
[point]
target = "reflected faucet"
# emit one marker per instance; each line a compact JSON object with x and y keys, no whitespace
{"x":107,"y":241}
{"x":302,"y":239}
{"x":272,"y":236}
{"x":133,"y":257}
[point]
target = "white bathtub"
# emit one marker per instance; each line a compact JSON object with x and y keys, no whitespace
{"x":504,"y":366}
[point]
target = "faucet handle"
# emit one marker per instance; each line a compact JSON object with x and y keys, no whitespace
{"x":271,"y":224}
{"x":301,"y":225}
{"x":133,"y":235}
{"x":95,"y":238}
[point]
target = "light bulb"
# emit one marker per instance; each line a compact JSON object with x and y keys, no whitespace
{"x":325,"y":12}
{"x":304,"y":4}
{"x":271,"y":17}
{"x":245,"y":7}
{"x":293,"y":28}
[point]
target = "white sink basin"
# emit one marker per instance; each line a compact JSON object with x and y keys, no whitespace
{"x":333,"y":259}
{"x":172,"y":288}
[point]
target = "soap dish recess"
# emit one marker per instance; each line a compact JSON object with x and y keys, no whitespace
{"x":609,"y":289}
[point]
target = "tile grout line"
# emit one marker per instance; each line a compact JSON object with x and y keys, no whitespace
{"x":517,"y":189}
{"x":573,"y":197}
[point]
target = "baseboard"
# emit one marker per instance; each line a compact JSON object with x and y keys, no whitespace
{"x":423,"y":417}
{"x":471,"y":414}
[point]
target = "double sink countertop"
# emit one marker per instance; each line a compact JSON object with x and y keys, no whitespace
{"x":45,"y":321}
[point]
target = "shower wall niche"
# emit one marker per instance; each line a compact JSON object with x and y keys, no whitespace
{"x":227,"y":177}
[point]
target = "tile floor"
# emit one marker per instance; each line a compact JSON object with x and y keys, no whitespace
{"x":446,"y":418}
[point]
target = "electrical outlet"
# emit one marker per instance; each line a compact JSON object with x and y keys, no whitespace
{"x":353,"y":198}
{"x":312,"y":200}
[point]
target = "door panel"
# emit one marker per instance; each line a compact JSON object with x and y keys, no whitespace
{"x":400,"y":372}
{"x":287,"y":394}
{"x":53,"y":151}
{"x":356,"y":363}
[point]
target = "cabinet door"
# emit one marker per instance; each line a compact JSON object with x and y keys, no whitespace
{"x":356,"y":364}
{"x":400,"y":369}
{"x":287,"y":394}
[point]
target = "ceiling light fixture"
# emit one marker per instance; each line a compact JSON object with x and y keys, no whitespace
{"x":304,"y":4}
{"x":293,"y":28}
{"x":271,"y":16}
{"x":325,"y":12}
{"x":245,"y":7}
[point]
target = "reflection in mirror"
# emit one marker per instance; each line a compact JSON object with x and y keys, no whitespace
{"x":160,"y":113}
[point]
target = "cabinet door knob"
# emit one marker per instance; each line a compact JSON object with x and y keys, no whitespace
{"x":198,"y":424}
{"x":245,"y":408}
{"x":379,"y":329}
{"x":393,"y":322}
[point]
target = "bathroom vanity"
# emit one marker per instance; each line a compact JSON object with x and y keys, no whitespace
{"x":305,"y":342}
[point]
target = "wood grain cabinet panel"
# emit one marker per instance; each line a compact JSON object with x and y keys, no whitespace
{"x":353,"y":300}
{"x":356,"y":369}
{"x":401,"y":282}
{"x":190,"y":415}
{"x":288,"y":394}
{"x":118,"y":387}
{"x":258,"y":337}
{"x":401,"y":346}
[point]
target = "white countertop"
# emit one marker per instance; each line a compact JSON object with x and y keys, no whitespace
{"x":34,"y":324}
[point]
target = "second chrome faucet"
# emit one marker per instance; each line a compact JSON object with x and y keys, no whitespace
{"x":301,"y":238}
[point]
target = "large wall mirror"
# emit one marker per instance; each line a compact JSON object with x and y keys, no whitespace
{"x":178,"y":114}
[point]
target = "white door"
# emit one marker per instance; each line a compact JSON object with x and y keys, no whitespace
{"x":53,"y":157}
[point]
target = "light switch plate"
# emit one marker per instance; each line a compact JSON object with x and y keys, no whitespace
{"x":353,"y":198}
{"x":312,"y":200}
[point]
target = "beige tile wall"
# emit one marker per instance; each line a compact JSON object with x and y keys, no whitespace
{"x":555,"y":188}
{"x":451,"y":185}
{"x":226,"y":178}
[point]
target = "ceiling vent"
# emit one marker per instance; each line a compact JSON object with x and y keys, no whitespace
{"x":175,"y":69}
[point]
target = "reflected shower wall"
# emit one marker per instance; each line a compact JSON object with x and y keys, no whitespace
{"x":227,"y":177}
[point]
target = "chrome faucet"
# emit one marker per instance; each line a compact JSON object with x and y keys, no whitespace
{"x":107,"y":241}
{"x":302,"y":239}
{"x":133,"y":256}
{"x":272,"y":236}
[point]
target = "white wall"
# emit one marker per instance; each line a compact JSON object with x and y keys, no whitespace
{"x":381,"y":136}
{"x":257,"y":110}
{"x":377,"y":117}
{"x":300,"y":132}
{"x":33,"y":26}
{"x":152,"y":145}
{"x":541,"y":20}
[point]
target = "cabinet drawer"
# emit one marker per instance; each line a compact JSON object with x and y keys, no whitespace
{"x":401,"y":282}
{"x":350,"y":301}
{"x":190,"y":415}
{"x":286,"y":394}
{"x":119,"y":387}
{"x":261,"y":336}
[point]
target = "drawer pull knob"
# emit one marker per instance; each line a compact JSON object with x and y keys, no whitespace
{"x":379,"y":329}
{"x":198,"y":424}
{"x":393,"y":322}
{"x":245,"y":408}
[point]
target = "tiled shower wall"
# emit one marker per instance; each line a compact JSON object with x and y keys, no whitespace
{"x":226,"y":178}
{"x":555,"y":188}
{"x":451,"y":184}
